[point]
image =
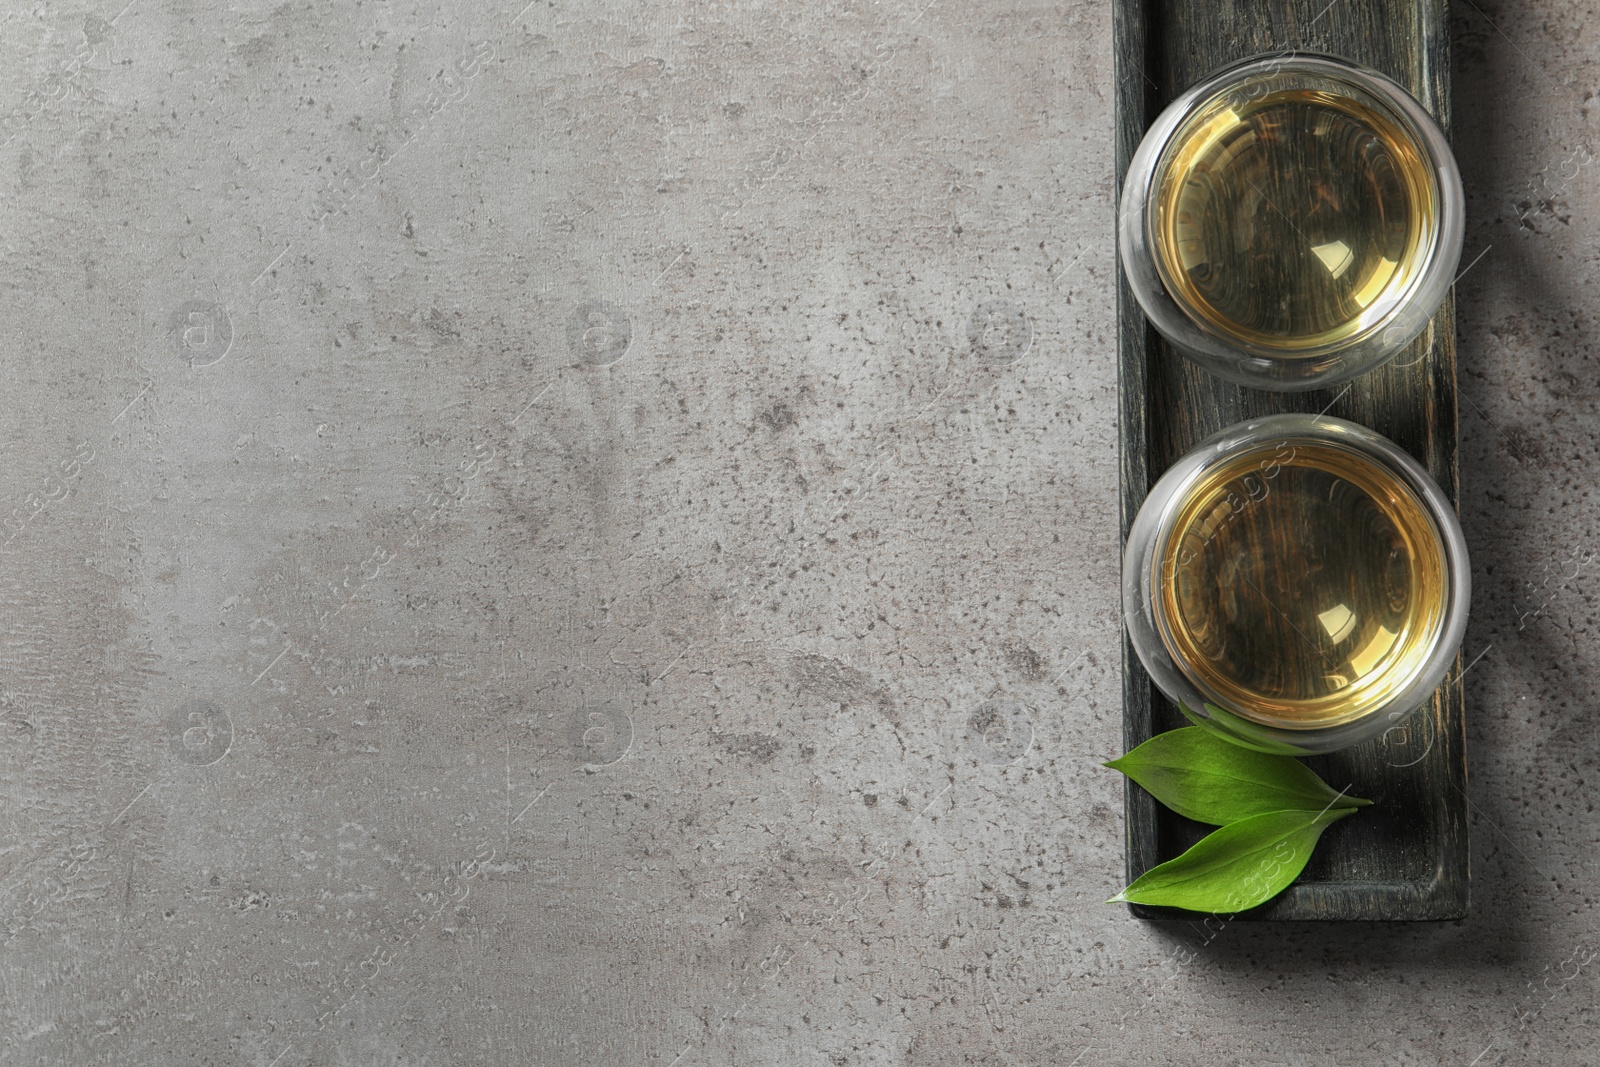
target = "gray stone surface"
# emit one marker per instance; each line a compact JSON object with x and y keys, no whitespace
{"x":586,"y":535}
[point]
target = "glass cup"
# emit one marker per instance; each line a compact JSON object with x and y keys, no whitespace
{"x":1296,"y":582}
{"x":1292,"y":221}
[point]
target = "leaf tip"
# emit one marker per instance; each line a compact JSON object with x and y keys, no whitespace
{"x":1120,"y":898}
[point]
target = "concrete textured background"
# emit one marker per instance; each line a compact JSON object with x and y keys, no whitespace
{"x":587,"y":535}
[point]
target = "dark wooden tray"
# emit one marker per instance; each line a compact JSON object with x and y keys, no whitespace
{"x":1405,"y":857}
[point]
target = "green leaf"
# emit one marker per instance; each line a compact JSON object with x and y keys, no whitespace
{"x":1206,"y":778}
{"x":1239,"y":866}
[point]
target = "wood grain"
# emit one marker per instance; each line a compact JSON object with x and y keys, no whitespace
{"x":1406,"y":857}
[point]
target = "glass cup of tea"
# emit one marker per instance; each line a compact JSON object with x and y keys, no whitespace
{"x":1292,"y":221}
{"x":1297,"y":582}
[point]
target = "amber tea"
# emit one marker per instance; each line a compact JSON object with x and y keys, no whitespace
{"x":1302,"y":584}
{"x":1292,"y":219}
